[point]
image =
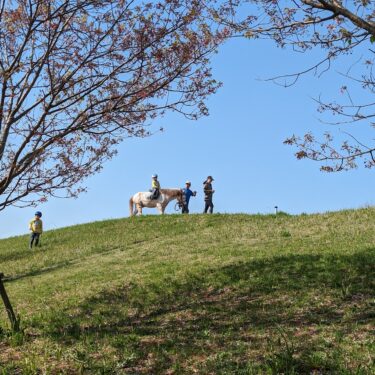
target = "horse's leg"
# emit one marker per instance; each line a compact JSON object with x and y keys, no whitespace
{"x":161,"y":208}
{"x":139,"y":209}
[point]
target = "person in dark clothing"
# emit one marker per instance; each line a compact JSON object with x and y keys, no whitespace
{"x":208,"y":191}
{"x":186,"y":195}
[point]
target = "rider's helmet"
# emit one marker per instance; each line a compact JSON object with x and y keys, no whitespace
{"x":187,"y":182}
{"x":154,"y":175}
{"x":38,"y":213}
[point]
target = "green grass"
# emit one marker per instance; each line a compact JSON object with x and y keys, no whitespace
{"x":214,"y":294}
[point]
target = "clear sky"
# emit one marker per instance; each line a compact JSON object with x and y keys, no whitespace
{"x":240,"y":144}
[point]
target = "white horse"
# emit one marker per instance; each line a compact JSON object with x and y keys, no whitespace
{"x":142,"y":199}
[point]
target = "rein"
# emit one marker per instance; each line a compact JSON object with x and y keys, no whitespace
{"x":177,"y":206}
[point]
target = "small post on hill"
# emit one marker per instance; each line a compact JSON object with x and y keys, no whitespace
{"x":8,"y":307}
{"x":276,"y":210}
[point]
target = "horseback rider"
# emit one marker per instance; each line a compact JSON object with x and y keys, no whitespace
{"x":155,"y":187}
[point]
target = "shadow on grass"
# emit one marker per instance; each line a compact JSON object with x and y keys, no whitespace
{"x":264,"y":315}
{"x":37,"y":272}
{"x":16,"y":255}
{"x":57,"y":265}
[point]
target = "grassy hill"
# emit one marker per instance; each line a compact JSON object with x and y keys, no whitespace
{"x":214,"y":294}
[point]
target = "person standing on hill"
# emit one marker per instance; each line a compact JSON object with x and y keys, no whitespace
{"x":208,"y":191}
{"x":187,"y":194}
{"x":36,"y":228}
{"x":155,"y":187}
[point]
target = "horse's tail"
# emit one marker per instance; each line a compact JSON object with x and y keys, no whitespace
{"x":131,"y":206}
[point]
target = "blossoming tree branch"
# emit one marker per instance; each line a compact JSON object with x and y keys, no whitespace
{"x":79,"y":76}
{"x":338,"y":29}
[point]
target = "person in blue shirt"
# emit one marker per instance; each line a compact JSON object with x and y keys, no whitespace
{"x":187,"y":194}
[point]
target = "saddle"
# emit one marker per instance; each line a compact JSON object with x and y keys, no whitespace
{"x":154,"y":194}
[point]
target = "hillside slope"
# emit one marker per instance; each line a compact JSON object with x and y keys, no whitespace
{"x":214,"y":294}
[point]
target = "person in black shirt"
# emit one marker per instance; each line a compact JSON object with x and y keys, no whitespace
{"x":208,"y":191}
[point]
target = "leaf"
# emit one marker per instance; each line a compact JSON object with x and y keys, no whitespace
{"x":372,"y":38}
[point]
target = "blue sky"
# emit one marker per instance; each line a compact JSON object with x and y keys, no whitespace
{"x":240,"y":144}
